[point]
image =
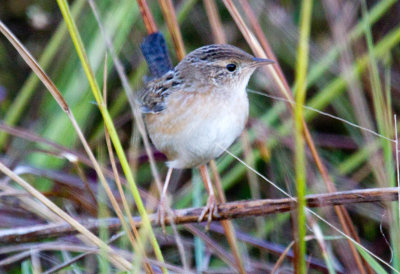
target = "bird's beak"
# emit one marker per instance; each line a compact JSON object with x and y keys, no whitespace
{"x":261,"y":61}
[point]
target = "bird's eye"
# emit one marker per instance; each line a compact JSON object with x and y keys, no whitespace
{"x":231,"y":67}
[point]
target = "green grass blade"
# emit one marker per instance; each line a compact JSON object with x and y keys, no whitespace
{"x":383,"y":114}
{"x":16,"y":109}
{"x":300,"y":161}
{"x":371,"y":261}
{"x":110,"y":126}
{"x":328,"y":60}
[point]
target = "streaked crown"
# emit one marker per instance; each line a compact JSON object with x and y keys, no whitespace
{"x":212,"y":53}
{"x":219,"y":64}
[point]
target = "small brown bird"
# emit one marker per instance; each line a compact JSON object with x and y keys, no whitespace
{"x":196,"y":111}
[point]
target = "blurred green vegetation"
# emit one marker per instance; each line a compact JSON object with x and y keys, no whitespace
{"x":354,"y":74}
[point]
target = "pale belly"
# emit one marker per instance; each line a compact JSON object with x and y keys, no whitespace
{"x":201,"y":130}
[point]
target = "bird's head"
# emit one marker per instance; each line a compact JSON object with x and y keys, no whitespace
{"x":220,"y":65}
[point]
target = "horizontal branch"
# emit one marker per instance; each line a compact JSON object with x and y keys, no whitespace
{"x":232,"y":210}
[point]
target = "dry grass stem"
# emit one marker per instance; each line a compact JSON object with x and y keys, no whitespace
{"x":345,"y":221}
{"x":129,"y":92}
{"x":91,"y":238}
{"x":168,"y":10}
{"x":215,"y":21}
{"x":324,"y":115}
{"x":219,"y":38}
{"x":227,"y":224}
{"x":134,"y":238}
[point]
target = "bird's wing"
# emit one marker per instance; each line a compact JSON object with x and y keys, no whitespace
{"x":151,"y":99}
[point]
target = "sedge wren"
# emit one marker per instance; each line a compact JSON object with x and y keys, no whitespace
{"x":196,"y":111}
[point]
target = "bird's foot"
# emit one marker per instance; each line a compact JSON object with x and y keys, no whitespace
{"x":211,"y":208}
{"x":162,"y":211}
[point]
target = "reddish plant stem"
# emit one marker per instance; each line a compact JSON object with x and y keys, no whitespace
{"x":147,"y":17}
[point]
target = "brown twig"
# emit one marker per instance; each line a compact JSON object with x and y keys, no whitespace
{"x":232,"y":210}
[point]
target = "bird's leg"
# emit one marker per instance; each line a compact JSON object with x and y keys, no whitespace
{"x":211,"y":206}
{"x":163,"y":205}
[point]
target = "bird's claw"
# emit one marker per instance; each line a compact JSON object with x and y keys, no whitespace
{"x":162,"y":211}
{"x":211,"y":208}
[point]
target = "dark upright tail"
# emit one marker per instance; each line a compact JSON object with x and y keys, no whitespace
{"x":155,"y":51}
